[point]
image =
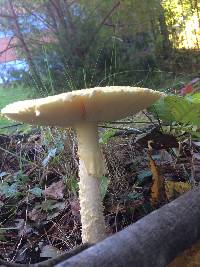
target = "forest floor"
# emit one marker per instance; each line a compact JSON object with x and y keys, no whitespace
{"x":39,"y":207}
{"x":147,"y":167}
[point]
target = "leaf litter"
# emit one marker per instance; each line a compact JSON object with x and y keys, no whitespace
{"x":39,"y":207}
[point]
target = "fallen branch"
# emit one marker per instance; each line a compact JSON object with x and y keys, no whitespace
{"x":153,"y":241}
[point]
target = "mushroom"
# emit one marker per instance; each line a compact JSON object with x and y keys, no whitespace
{"x":83,"y":110}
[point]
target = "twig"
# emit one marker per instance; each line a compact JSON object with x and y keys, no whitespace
{"x":13,"y":154}
{"x":8,"y":46}
{"x":147,"y":115}
{"x":122,"y":130}
{"x":116,"y":5}
{"x":49,"y":25}
{"x":130,"y":122}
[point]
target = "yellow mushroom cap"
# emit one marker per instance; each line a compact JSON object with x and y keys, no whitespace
{"x":99,"y":104}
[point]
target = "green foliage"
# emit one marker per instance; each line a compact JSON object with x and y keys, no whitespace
{"x":47,"y":205}
{"x":72,"y":184}
{"x":2,"y":234}
{"x":185,"y":110}
{"x":9,"y":190}
{"x":37,"y":191}
{"x":106,"y":135}
{"x":17,"y":189}
{"x":51,"y":155}
{"x":144,"y":177}
{"x":91,"y":42}
{"x":161,"y":110}
{"x":53,"y":142}
{"x":21,"y":178}
{"x":16,"y":185}
{"x":54,"y":139}
{"x":175,"y":11}
{"x":134,"y":196}
{"x":87,"y":43}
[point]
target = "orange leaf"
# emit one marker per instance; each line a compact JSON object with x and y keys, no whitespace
{"x":157,"y":188}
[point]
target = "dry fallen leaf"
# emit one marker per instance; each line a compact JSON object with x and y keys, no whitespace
{"x":189,"y":258}
{"x":36,"y":215}
{"x":174,"y":189}
{"x":55,"y":190}
{"x":75,"y":207}
{"x":23,"y":228}
{"x":157,"y":188}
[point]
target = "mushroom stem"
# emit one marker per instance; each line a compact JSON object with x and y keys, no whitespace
{"x":91,"y":168}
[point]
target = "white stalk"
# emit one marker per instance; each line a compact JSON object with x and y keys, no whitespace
{"x":91,"y":168}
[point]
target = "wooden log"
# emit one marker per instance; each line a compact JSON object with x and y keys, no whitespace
{"x":151,"y":242}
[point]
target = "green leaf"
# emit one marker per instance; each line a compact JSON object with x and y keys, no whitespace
{"x":134,"y":196}
{"x":48,"y":205}
{"x":196,"y":135}
{"x":107,"y":135}
{"x":22,"y":178}
{"x":2,"y":234}
{"x":9,"y":190}
{"x":72,"y":184}
{"x":51,"y":154}
{"x":161,"y":110}
{"x":36,"y":191}
{"x":196,"y":97}
{"x":144,"y":177}
{"x":178,"y":109}
{"x":183,"y":109}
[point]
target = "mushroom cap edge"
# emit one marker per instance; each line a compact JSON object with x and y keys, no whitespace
{"x":98,"y":104}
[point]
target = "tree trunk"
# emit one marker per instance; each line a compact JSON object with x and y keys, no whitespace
{"x":166,"y":44}
{"x":27,"y":53}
